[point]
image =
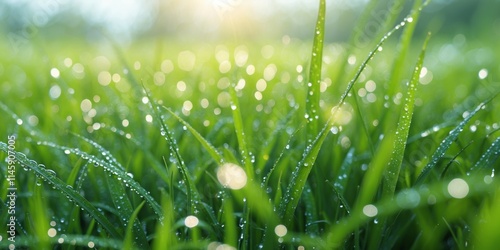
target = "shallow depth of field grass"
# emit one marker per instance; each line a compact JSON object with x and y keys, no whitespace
{"x":241,"y":145}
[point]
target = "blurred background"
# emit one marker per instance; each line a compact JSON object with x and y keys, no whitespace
{"x":212,"y":20}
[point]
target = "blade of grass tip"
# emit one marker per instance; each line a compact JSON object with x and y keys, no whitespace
{"x":372,"y":53}
{"x":391,"y":174}
{"x":240,"y":134}
{"x":48,"y":176}
{"x":124,"y":206}
{"x":355,"y":38}
{"x":216,"y":156}
{"x":132,"y":231}
{"x":446,"y":143}
{"x":313,"y":85}
{"x":290,"y":201}
{"x":402,"y":49}
{"x":489,"y":157}
{"x":358,"y":41}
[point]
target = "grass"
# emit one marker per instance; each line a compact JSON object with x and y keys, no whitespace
{"x":122,"y":150}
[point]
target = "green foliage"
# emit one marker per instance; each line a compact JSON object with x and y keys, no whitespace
{"x":226,"y":158}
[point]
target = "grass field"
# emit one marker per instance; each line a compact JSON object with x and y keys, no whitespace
{"x":287,"y":144}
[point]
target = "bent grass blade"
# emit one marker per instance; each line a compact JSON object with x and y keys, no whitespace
{"x":67,"y":190}
{"x":445,"y":144}
{"x":489,"y":157}
{"x":114,"y":170}
{"x":124,"y":206}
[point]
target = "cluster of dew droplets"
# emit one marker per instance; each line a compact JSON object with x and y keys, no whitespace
{"x":489,"y":157}
{"x":177,"y":160}
{"x":123,"y":176}
{"x":242,"y":223}
{"x":105,"y":153}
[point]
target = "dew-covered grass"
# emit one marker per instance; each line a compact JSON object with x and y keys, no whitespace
{"x":253,"y":145}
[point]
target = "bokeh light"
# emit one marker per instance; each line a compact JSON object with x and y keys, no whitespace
{"x":232,"y":176}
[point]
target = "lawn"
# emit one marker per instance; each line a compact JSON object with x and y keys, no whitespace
{"x":385,"y":140}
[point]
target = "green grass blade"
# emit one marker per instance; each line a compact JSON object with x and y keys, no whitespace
{"x":240,"y":134}
{"x":489,"y":157}
{"x":230,"y":231}
{"x":313,"y":85}
{"x":271,"y":143}
{"x":342,"y":199}
{"x":266,"y":179}
{"x":192,"y":195}
{"x":403,"y":48}
{"x":207,"y":145}
{"x":155,"y":164}
{"x":124,"y":206}
{"x":391,"y":174}
{"x":344,"y":172}
{"x":373,"y":175}
{"x":445,"y":144}
{"x":311,"y":211}
{"x":134,"y":234}
{"x":377,"y":48}
{"x":104,"y":152}
{"x":194,"y":201}
{"x":114,"y":170}
{"x":57,"y":183}
{"x":453,"y":160}
{"x":165,"y":233}
{"x":301,"y":173}
{"x":412,"y":198}
{"x":299,"y":178}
